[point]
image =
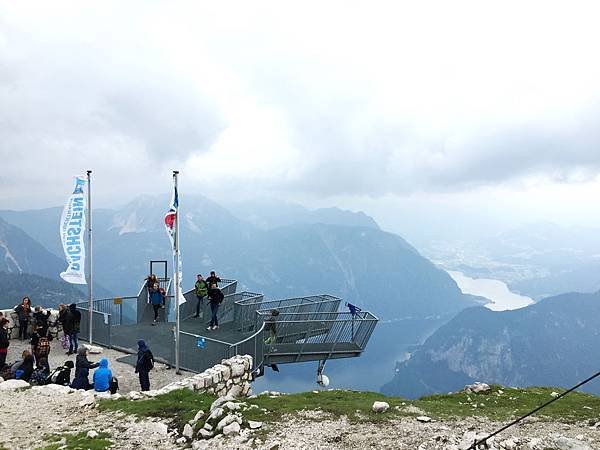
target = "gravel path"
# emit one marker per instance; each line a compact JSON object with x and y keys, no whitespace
{"x":128,"y":379}
{"x":27,"y":416}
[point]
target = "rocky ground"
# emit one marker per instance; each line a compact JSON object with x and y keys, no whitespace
{"x":128,"y":380}
{"x":28,"y":416}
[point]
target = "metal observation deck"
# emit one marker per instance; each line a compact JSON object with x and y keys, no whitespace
{"x":307,"y":328}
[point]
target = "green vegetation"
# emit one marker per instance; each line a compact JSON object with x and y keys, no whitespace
{"x":78,"y":441}
{"x":500,"y":404}
{"x":178,"y":406}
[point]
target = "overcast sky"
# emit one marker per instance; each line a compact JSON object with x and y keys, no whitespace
{"x":401,"y":109}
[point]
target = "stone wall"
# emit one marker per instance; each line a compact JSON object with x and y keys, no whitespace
{"x":230,"y":378}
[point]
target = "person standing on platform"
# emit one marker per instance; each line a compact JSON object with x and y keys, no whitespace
{"x":201,"y":291}
{"x":157,"y":299}
{"x":71,"y":327}
{"x":144,"y":364}
{"x":215,"y":297}
{"x":213,"y":279}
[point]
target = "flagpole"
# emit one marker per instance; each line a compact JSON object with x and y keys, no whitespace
{"x":90,"y":280}
{"x":176,"y":271}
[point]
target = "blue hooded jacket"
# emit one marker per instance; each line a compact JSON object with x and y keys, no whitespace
{"x":102,"y":376}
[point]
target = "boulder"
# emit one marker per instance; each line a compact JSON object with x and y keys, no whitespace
{"x":205,"y":434}
{"x":254,"y":425}
{"x":208,"y":426}
{"x":228,"y":419}
{"x":11,"y":385}
{"x":199,"y":415}
{"x":188,"y":431}
{"x":380,"y":407}
{"x":215,"y":414}
{"x":92,"y":434}
{"x":180,"y":440}
{"x":235,"y":391}
{"x":220,"y":402}
{"x":424,"y":419}
{"x":232,"y":428}
{"x":134,"y":395}
{"x":476,"y":388}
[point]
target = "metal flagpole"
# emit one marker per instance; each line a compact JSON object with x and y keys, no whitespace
{"x":90,"y":276}
{"x":177,"y":293}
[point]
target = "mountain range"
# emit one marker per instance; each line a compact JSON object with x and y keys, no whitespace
{"x":551,"y":343}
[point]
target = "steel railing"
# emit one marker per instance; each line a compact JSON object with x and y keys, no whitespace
{"x":101,"y":323}
{"x":333,"y":328}
{"x":188,"y":309}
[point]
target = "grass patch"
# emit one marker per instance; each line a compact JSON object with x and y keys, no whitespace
{"x":509,"y":403}
{"x":78,"y":441}
{"x":178,"y":406}
{"x":500,"y":404}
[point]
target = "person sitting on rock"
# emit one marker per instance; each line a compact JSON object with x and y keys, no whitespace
{"x":103,"y":378}
{"x":144,"y":364}
{"x":40,"y":343}
{"x":42,"y":372}
{"x":24,"y":370}
{"x":82,"y":370}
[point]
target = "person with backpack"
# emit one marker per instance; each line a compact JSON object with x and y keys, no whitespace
{"x":103,"y":378}
{"x":144,"y":364}
{"x":4,"y":342}
{"x":157,"y":299}
{"x":40,"y":344}
{"x":41,"y":374}
{"x":213,"y":279}
{"x":24,"y":314}
{"x":71,"y":323}
{"x":40,"y":320}
{"x":201,"y":291}
{"x":82,"y":370}
{"x":215,"y":296}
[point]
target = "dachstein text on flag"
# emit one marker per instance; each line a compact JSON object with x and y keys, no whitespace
{"x":72,"y":229}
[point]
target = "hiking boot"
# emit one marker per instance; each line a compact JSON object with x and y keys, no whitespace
{"x":209,"y":328}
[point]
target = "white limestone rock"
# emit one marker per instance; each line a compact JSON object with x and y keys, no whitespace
{"x":93,"y":349}
{"x":232,"y":428}
{"x":380,"y":407}
{"x":188,"y":431}
{"x":476,"y":388}
{"x":228,"y":419}
{"x":88,"y":400}
{"x":235,"y":391}
{"x":216,"y":414}
{"x":565,"y":443}
{"x":92,"y":434}
{"x":158,"y":428}
{"x":181,"y":440}
{"x":205,"y":434}
{"x":199,"y":415}
{"x":254,"y":425}
{"x":218,"y":403}
{"x":134,"y":395}
{"x":208,"y":426}
{"x":424,"y":419}
{"x":11,"y":385}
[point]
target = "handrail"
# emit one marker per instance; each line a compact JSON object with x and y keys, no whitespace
{"x":207,"y":338}
{"x":250,"y":337}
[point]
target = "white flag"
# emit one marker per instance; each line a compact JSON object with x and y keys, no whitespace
{"x":72,"y":229}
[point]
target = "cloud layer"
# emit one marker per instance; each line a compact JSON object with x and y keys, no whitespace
{"x":305,"y":99}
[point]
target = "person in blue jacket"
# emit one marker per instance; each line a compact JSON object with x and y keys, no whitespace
{"x":157,"y":299}
{"x":102,"y":376}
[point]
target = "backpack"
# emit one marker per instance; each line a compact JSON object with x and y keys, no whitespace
{"x":43,"y":347}
{"x":64,"y":342}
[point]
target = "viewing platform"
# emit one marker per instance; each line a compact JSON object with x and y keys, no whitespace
{"x":309,"y":328}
